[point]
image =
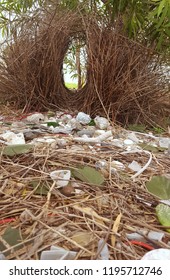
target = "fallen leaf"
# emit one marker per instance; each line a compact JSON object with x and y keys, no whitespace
{"x":12,"y":237}
{"x":159,"y":186}
{"x":54,"y":124}
{"x":115,"y":229}
{"x":163,"y":214}
{"x":83,"y":238}
{"x":89,"y":211}
{"x":89,"y":175}
{"x":41,"y":187}
{"x":13,"y":150}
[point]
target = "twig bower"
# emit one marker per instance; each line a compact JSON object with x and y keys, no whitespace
{"x":121,"y":81}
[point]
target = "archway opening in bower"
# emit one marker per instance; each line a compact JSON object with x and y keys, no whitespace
{"x":75,"y":64}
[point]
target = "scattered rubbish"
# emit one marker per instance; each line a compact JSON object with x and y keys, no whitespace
{"x":2,"y":257}
{"x":163,"y":214}
{"x":157,"y":254}
{"x":156,"y":235}
{"x":83,"y":118}
{"x":115,"y":164}
{"x":102,"y":163}
{"x":128,"y":142}
{"x":135,"y":166}
{"x":97,"y":139}
{"x":101,"y":122}
{"x":132,"y":136}
{"x":61,"y":177}
{"x":159,"y":186}
{"x":142,"y":244}
{"x":144,"y":167}
{"x":35,"y":118}
{"x":12,"y":138}
{"x":164,"y":142}
{"x":103,"y":250}
{"x":57,"y":253}
{"x":140,"y":235}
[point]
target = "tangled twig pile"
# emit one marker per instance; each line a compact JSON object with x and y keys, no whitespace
{"x":79,"y":221}
{"x":123,"y":79}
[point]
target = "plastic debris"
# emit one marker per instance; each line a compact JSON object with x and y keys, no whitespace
{"x":152,"y":235}
{"x":164,"y":142}
{"x":157,"y":254}
{"x":83,"y":118}
{"x":61,"y":177}
{"x":132,"y":136}
{"x":35,"y":118}
{"x":12,"y":138}
{"x":2,"y":257}
{"x":98,"y":139}
{"x":101,"y":122}
{"x":156,"y":235}
{"x":103,"y":250}
{"x":57,"y":253}
{"x":135,"y":166}
{"x":117,"y":165}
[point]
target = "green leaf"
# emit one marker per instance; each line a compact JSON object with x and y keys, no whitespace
{"x":163,"y":214}
{"x":54,"y":124}
{"x":88,"y":175}
{"x":159,"y":186}
{"x":12,"y":237}
{"x":41,"y":187}
{"x":92,"y":123}
{"x":149,"y":148}
{"x":137,"y":127}
{"x":161,"y":6}
{"x":13,"y":150}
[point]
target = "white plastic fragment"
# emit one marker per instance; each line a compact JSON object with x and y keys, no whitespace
{"x":117,"y":143}
{"x":103,"y":250}
{"x":132,"y":136}
{"x":2,"y":257}
{"x":61,"y":177}
{"x":97,"y":139}
{"x":145,"y":166}
{"x":35,"y":118}
{"x":128,"y":142}
{"x":12,"y":138}
{"x":164,"y":142}
{"x":61,"y":142}
{"x":57,"y":253}
{"x":83,"y":118}
{"x":101,"y":122}
{"x":152,"y":235}
{"x":101,"y":164}
{"x":134,"y":166}
{"x":41,"y":142}
{"x":117,"y":164}
{"x":155,"y":235}
{"x":157,"y":254}
{"x":135,"y":236}
{"x":166,"y":202}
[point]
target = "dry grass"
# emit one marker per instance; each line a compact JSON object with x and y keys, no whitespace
{"x":124,"y":80}
{"x":54,"y":219}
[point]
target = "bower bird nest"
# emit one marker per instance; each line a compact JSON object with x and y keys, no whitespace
{"x":123,"y":79}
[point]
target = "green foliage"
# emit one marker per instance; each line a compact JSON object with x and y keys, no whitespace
{"x":145,"y":21}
